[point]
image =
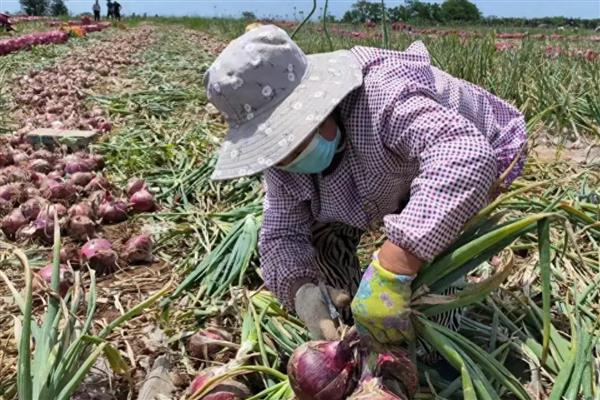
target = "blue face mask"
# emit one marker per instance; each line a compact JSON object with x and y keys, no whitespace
{"x":316,"y":157}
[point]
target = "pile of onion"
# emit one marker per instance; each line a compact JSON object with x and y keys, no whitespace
{"x":345,"y":369}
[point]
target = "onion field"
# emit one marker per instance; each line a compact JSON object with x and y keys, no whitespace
{"x":126,"y":273}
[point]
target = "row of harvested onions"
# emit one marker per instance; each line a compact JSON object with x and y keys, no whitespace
{"x":37,"y":183}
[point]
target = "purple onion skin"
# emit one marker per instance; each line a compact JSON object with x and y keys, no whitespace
{"x":81,"y":178}
{"x":31,"y":209}
{"x":6,"y":158}
{"x":142,"y":201}
{"x":80,"y":165}
{"x":13,"y":222}
{"x":138,"y":249}
{"x":81,"y":228}
{"x":84,"y":209}
{"x":64,"y":278}
{"x":322,"y":370}
{"x":135,"y":185}
{"x":100,"y":256}
{"x":97,"y":183}
{"x":113,"y":211}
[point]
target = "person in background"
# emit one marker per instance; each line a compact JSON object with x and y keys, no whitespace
{"x":5,"y":22}
{"x":109,"y":9}
{"x":348,"y":141}
{"x":117,"y":10}
{"x":96,"y":10}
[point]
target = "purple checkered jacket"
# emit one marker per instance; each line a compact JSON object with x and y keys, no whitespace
{"x":413,"y":132}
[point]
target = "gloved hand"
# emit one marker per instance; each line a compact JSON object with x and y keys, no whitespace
{"x":312,"y":310}
{"x":381,"y":306}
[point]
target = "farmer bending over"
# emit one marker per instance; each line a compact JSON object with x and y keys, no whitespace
{"x":347,"y":140}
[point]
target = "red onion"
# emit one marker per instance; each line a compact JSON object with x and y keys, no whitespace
{"x":40,"y":165}
{"x":76,"y":164}
{"x":138,"y":249}
{"x":31,"y":208}
{"x":84,"y":209}
{"x":134,"y":185}
{"x":13,"y":222}
{"x":322,"y":370}
{"x":81,"y":178}
{"x":64,"y":191}
{"x":43,"y":227}
{"x":64,"y":278}
{"x":100,"y":256}
{"x":201,"y":344}
{"x":142,"y":201}
{"x":97,"y":183}
{"x":5,"y":207}
{"x":113,"y":210}
{"x":81,"y":228}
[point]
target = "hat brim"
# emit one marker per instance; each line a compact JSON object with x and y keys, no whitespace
{"x":268,"y":138}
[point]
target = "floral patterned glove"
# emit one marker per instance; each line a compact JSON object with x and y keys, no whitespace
{"x":381,"y":306}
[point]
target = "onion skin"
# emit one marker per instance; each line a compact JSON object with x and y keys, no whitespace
{"x":84,"y":209}
{"x":81,"y":228}
{"x":6,"y":158}
{"x":322,"y":370}
{"x":373,"y":389}
{"x":142,"y":201}
{"x":31,"y":209}
{"x":135,"y":185}
{"x":100,"y":256}
{"x":138,"y":249}
{"x":59,"y":191}
{"x":113,"y":211}
{"x":97,"y":183}
{"x":65,"y":278}
{"x":13,"y":222}
{"x":81,"y":178}
{"x":77,"y":165}
{"x":69,"y":254}
{"x":40,"y":165}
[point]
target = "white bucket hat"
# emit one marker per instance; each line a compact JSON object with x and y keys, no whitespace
{"x":273,"y":96}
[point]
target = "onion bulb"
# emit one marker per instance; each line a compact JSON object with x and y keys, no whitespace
{"x":142,"y":201}
{"x":13,"y":222}
{"x":134,"y":185}
{"x":97,"y":183}
{"x":81,"y":178}
{"x":113,"y":210}
{"x":100,"y":256}
{"x":31,"y":208}
{"x":322,"y":370}
{"x":81,"y":228}
{"x":84,"y":209}
{"x":138,"y":249}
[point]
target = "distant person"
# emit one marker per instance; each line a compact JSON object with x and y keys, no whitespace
{"x":109,"y":9}
{"x":5,"y":22}
{"x":116,"y":10}
{"x":96,"y":9}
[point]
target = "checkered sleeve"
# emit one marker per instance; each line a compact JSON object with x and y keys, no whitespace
{"x":456,"y":169}
{"x":286,"y":251}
